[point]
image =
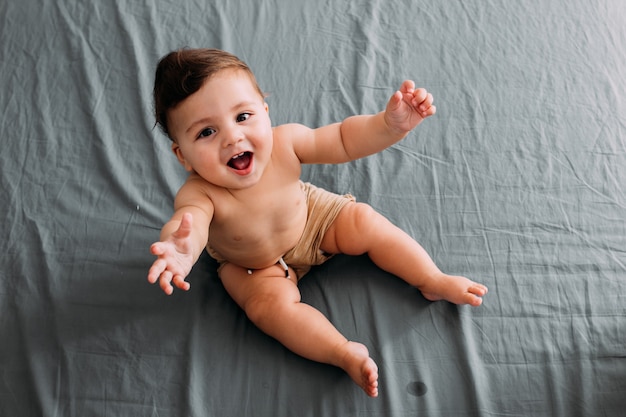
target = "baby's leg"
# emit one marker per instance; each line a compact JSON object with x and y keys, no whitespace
{"x":272,"y":302}
{"x":359,"y":229}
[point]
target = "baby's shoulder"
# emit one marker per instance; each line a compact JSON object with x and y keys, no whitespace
{"x":194,"y":182}
{"x":290,"y":132}
{"x":195,"y":189}
{"x":291,"y":137}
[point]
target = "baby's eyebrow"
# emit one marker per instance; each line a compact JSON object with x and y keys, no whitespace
{"x":243,"y":104}
{"x":198,"y":122}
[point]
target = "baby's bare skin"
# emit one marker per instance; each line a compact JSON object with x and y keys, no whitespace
{"x":361,"y":368}
{"x":244,"y":192}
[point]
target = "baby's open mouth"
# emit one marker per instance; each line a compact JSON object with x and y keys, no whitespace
{"x":240,"y":162}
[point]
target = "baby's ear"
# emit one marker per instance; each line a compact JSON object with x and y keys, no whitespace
{"x":267,"y":107}
{"x":179,"y":155}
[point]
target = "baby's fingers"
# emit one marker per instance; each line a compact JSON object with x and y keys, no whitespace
{"x":156,"y":270}
{"x":420,"y":97}
{"x":407,"y":87}
{"x":165,"y":282}
{"x":423,"y":103}
{"x":180,"y":283}
{"x":428,"y":112}
{"x":156,"y":249}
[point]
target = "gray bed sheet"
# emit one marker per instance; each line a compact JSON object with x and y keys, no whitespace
{"x":518,"y":182}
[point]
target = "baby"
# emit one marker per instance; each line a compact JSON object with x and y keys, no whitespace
{"x":245,"y":204}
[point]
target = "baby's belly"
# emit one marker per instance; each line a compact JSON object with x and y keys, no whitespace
{"x":258,"y":246}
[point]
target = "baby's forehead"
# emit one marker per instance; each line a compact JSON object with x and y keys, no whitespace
{"x":229,"y":84}
{"x":225,"y":91}
{"x":238,"y":74}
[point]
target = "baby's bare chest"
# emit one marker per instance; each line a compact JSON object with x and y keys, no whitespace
{"x":263,"y":227}
{"x":271,"y":215}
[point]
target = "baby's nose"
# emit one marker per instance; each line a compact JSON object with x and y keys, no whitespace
{"x":232,"y":136}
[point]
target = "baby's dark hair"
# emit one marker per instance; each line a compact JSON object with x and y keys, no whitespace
{"x":181,"y":73}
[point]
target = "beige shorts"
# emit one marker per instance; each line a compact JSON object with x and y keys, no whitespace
{"x":323,"y":208}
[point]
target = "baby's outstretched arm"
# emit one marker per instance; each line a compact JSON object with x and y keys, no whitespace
{"x":363,"y":135}
{"x":407,"y":108}
{"x":176,"y":255}
{"x":182,"y":240}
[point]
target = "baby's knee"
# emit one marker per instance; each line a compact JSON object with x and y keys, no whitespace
{"x":263,"y":308}
{"x":365,"y":219}
{"x":365,"y":212}
{"x":257,"y":309}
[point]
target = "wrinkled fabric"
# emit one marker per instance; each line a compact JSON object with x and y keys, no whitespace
{"x":516,"y":182}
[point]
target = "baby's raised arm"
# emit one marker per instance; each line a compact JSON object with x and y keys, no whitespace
{"x":183,"y":239}
{"x":360,"y":136}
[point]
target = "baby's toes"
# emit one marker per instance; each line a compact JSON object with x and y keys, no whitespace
{"x":478,"y":289}
{"x":473,"y":300}
{"x":474,"y":295}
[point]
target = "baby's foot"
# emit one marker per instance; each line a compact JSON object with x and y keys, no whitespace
{"x":457,"y":290}
{"x":361,"y":368}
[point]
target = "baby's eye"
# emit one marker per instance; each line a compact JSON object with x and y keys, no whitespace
{"x":243,"y":117}
{"x":206,"y":132}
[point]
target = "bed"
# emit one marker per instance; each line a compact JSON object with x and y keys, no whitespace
{"x":518,"y":182}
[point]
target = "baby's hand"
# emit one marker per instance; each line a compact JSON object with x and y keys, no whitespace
{"x":408,"y":107}
{"x":175,"y":258}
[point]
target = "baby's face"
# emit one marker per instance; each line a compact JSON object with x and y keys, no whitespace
{"x":223,"y":131}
